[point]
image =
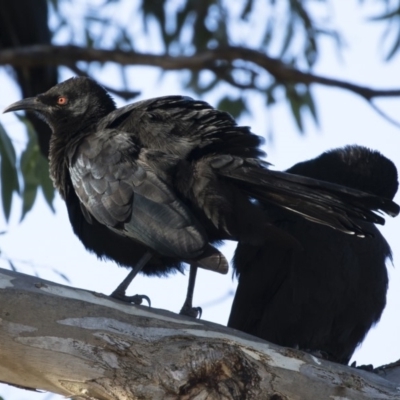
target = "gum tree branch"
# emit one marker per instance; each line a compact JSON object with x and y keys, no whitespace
{"x":87,"y":346}
{"x":207,"y":60}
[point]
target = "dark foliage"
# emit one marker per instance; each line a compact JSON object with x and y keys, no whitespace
{"x":17,"y":30}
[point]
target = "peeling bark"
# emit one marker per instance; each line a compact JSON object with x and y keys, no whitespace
{"x":83,"y":344}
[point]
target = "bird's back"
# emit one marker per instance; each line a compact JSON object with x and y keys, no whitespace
{"x":326,"y":296}
{"x":185,"y":127}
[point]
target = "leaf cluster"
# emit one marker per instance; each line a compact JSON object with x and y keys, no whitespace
{"x":23,"y":175}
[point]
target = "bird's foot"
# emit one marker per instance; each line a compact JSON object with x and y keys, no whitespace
{"x":367,"y":367}
{"x":136,"y":299}
{"x":189,"y":311}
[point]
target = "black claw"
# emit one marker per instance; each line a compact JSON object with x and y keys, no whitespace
{"x":368,"y":367}
{"x":136,"y":299}
{"x":194,"y":312}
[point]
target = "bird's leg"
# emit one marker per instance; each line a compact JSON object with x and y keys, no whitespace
{"x":119,"y":292}
{"x":188,"y":308}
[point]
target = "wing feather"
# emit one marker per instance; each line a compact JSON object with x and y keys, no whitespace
{"x":121,"y":190}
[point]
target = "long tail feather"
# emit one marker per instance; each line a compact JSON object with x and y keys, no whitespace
{"x":323,"y":202}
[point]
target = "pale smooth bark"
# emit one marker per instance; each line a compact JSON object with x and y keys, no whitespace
{"x":83,"y":344}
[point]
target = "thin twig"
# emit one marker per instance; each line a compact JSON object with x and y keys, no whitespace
{"x":384,"y":115}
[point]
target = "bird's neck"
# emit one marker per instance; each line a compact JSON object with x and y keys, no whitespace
{"x":62,"y":145}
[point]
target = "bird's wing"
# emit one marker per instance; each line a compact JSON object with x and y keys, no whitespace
{"x":123,"y":192}
{"x":318,"y":201}
{"x":157,"y":123}
{"x":183,"y":126}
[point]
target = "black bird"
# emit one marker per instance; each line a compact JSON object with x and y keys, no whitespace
{"x":326,"y":296}
{"x":155,"y":183}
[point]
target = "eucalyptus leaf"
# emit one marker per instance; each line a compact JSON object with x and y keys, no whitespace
{"x":12,"y":266}
{"x":35,"y":174}
{"x":9,"y":183}
{"x":235,"y":107}
{"x":8,"y":172}
{"x":7,"y":146}
{"x":395,"y":47}
{"x":35,"y":171}
{"x":309,"y":101}
{"x":295,"y":103}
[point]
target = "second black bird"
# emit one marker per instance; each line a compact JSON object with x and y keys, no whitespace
{"x":324,"y":297}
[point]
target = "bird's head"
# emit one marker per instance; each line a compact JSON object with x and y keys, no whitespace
{"x":71,"y":105}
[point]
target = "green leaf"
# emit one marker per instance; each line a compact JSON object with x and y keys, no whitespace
{"x":311,"y":51}
{"x":156,"y":9}
{"x":28,"y":197}
{"x":7,"y":145}
{"x":8,"y":172}
{"x":31,"y":182}
{"x":89,"y":39}
{"x":61,"y":275}
{"x":35,"y":172}
{"x":388,"y":15}
{"x":9,"y":183}
{"x":269,"y":33}
{"x":235,"y":107}
{"x":269,"y":93}
{"x":247,"y":9}
{"x":295,"y":103}
{"x":394,"y":49}
{"x":181,"y":18}
{"x":287,"y":39}
{"x":309,"y":101}
{"x":296,"y":110}
{"x":12,"y":266}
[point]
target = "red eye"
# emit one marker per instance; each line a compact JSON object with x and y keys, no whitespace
{"x":62,"y":100}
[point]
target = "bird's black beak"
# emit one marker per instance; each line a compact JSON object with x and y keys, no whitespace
{"x":28,"y":104}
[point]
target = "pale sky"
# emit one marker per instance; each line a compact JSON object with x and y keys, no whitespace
{"x":44,"y":241}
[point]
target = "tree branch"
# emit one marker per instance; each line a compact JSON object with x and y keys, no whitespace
{"x":85,"y":345}
{"x":210,"y":60}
